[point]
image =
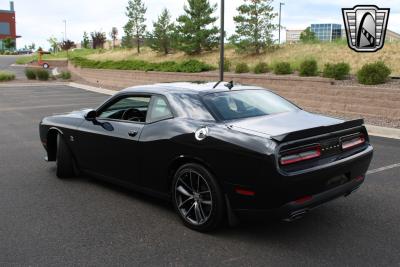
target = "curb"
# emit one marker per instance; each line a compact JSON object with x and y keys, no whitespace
{"x":372,"y":129}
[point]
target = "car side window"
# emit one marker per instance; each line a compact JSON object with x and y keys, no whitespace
{"x":130,"y":108}
{"x":159,"y":109}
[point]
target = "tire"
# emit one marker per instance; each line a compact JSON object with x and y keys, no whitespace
{"x":64,"y":162}
{"x":46,"y":66}
{"x":199,"y":210}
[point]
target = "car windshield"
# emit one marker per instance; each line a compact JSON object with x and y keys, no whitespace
{"x":245,"y":104}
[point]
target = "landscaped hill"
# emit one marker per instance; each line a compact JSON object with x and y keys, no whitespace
{"x":293,"y":53}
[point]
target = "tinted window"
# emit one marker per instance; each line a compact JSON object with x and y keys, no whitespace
{"x":244,"y":104}
{"x":191,"y":106}
{"x":159,"y":110}
{"x":128,"y":108}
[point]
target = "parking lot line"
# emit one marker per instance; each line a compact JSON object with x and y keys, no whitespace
{"x":384,"y":168}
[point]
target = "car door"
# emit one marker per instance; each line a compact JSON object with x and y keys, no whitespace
{"x":109,"y":144}
{"x":157,"y":149}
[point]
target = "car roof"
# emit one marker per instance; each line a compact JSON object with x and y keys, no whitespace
{"x":201,"y":88}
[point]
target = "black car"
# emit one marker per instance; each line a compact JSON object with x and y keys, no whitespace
{"x":217,"y":153}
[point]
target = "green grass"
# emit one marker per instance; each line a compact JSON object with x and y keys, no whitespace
{"x":6,"y":76}
{"x":60,"y":55}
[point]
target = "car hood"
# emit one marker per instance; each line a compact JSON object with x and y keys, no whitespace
{"x":283,"y":123}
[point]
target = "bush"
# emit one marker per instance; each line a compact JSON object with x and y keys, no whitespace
{"x":42,"y":75}
{"x":261,"y":67}
{"x":6,"y":76}
{"x":309,"y":67}
{"x":282,"y":68}
{"x":242,"y":68}
{"x":336,"y":71}
{"x":65,"y":75}
{"x":373,"y":73}
{"x":167,"y":66}
{"x":30,"y":74}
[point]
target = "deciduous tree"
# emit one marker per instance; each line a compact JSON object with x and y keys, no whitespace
{"x":308,"y":36}
{"x":114,"y":35}
{"x":98,"y":39}
{"x":136,"y":11}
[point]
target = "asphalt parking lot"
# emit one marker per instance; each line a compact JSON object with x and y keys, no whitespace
{"x":45,"y":221}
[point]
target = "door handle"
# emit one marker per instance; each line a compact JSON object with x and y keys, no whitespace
{"x":132,"y":133}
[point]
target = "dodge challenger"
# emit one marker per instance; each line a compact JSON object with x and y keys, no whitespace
{"x":216,"y":152}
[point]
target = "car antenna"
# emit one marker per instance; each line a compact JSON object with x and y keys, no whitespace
{"x":229,"y":85}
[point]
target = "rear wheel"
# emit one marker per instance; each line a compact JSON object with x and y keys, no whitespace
{"x":197,"y":198}
{"x":46,"y":66}
{"x":65,"y":164}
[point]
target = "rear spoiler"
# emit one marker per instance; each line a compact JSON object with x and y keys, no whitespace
{"x":318,"y":131}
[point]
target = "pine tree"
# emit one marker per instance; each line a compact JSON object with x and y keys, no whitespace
{"x":135,"y":12}
{"x":196,"y":28}
{"x":254,"y":26}
{"x":85,"y":41}
{"x":161,"y":39}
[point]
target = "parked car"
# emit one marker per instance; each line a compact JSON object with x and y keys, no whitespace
{"x":216,"y":153}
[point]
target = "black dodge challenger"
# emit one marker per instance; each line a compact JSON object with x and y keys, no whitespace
{"x":216,"y":153}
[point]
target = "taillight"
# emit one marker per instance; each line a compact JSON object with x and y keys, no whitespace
{"x":351,"y":142}
{"x":302,"y":154}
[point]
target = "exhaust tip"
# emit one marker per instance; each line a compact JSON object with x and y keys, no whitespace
{"x":297,"y":215}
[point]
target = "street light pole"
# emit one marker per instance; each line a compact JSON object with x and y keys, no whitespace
{"x":280,"y":19}
{"x":222,"y":43}
{"x":65,"y":29}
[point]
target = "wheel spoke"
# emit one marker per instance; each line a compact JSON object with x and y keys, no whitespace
{"x":199,"y":217}
{"x":185,"y":184}
{"x":183,"y":191}
{"x":201,"y":210}
{"x":191,"y":181}
{"x":205,"y":192}
{"x":184,"y":202}
{"x":206,"y":202}
{"x":198,"y":183}
{"x":187,"y":213}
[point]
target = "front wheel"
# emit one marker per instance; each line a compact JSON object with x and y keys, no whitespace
{"x":197,"y":198}
{"x":65,"y":164}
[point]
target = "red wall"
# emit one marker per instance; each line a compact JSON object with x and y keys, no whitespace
{"x":10,"y":18}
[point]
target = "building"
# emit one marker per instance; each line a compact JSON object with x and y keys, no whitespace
{"x":392,"y":36}
{"x":293,"y":36}
{"x":327,"y":32}
{"x":7,"y":26}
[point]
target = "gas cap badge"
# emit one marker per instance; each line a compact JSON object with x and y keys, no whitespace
{"x":201,"y":134}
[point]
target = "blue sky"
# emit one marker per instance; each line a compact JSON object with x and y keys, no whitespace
{"x":38,"y":20}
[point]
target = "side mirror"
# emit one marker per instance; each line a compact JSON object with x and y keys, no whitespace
{"x":91,"y":115}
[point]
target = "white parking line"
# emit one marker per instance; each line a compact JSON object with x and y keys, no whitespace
{"x":384,"y":168}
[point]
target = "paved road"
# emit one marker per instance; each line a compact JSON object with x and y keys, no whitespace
{"x":46,"y":221}
{"x":7,"y":61}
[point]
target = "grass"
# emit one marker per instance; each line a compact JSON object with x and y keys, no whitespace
{"x":60,"y":56}
{"x":6,"y":76}
{"x":336,"y":52}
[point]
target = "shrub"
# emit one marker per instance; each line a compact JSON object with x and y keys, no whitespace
{"x":167,"y":66}
{"x":373,"y":73}
{"x":42,"y":75}
{"x":242,"y":68}
{"x":282,"y":68}
{"x":6,"y":76}
{"x":336,"y":71}
{"x":65,"y":75}
{"x":261,"y":67}
{"x":309,"y":67}
{"x":30,"y":74}
{"x":193,"y":65}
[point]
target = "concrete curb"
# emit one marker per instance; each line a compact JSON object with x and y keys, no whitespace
{"x":372,"y":129}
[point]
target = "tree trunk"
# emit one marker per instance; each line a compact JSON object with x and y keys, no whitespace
{"x":138,"y":44}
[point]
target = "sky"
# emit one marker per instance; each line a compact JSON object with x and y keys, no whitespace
{"x":40,"y":19}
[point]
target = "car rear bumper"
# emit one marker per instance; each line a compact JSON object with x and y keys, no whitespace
{"x":305,"y":191}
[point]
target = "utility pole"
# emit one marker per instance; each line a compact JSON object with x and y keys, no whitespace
{"x":222,"y":43}
{"x":280,"y":20}
{"x":65,"y":29}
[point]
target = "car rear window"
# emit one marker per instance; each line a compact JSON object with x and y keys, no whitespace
{"x":235,"y":105}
